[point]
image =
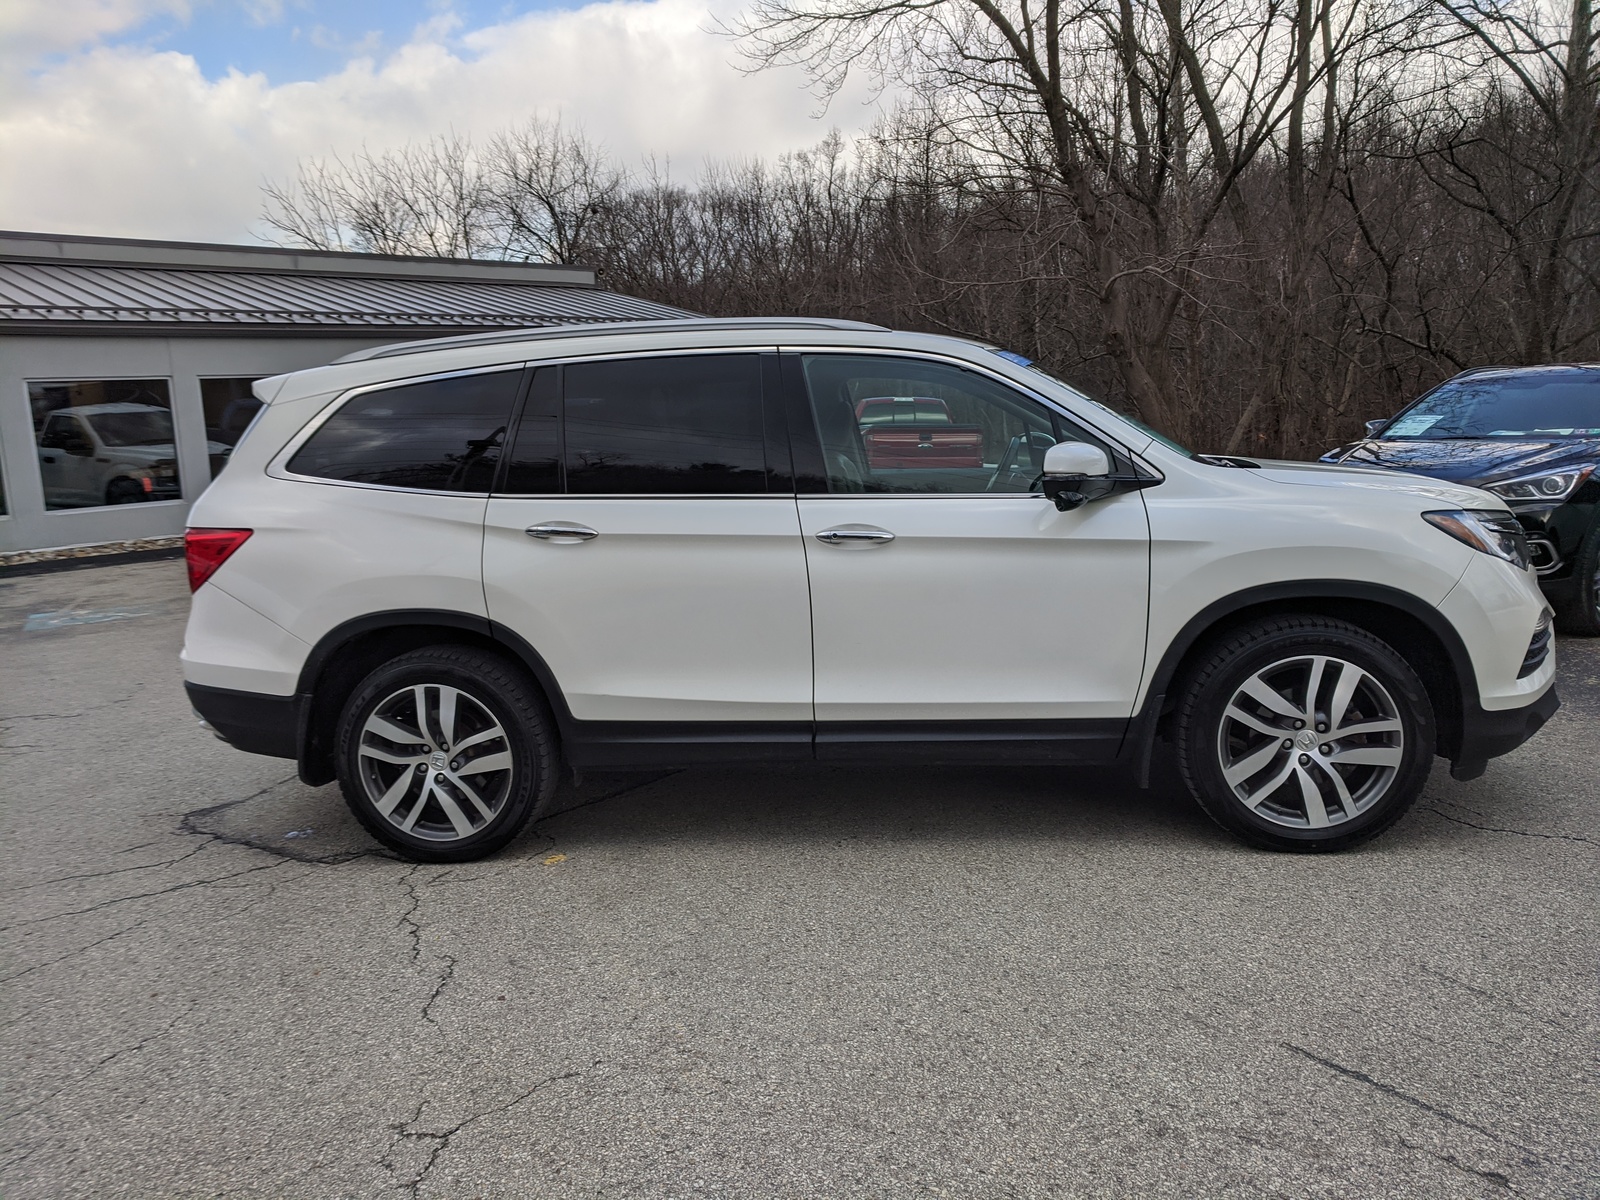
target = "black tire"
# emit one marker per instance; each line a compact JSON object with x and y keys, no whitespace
{"x":124,"y":491}
{"x":1581,"y":613}
{"x":1281,"y":649}
{"x":495,"y":691}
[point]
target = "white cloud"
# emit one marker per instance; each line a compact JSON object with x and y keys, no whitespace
{"x":263,"y":12}
{"x":33,"y":27}
{"x":128,"y":141}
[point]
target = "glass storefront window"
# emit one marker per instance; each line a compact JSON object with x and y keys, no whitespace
{"x":105,"y":441}
{"x":230,"y":406}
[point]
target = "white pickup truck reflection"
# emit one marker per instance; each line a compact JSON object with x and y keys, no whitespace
{"x":122,"y":453}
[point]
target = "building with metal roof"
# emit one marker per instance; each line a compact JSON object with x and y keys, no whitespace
{"x":180,"y":331}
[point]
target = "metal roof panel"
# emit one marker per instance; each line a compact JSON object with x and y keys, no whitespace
{"x":75,"y":294}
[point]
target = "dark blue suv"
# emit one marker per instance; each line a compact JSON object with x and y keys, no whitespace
{"x":1530,"y":435}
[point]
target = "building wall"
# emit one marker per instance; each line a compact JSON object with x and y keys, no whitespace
{"x":182,"y":362}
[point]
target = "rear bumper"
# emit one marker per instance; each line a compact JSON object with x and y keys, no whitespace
{"x":249,"y":720}
{"x":1487,"y":734}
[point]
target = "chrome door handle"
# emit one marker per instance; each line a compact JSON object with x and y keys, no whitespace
{"x":561,"y":531}
{"x":835,"y":536}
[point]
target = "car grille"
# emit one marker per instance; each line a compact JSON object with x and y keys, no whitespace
{"x":1538,"y":649}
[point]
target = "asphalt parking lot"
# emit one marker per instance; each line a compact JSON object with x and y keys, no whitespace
{"x":790,"y":983}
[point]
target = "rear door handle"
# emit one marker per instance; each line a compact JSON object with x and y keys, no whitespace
{"x":561,"y":531}
{"x":835,"y":537}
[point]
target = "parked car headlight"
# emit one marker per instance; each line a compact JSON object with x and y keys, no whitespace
{"x":1557,"y":485}
{"x":1496,"y":533}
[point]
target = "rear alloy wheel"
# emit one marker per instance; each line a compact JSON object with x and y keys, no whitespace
{"x":1305,"y":734}
{"x":446,"y":753}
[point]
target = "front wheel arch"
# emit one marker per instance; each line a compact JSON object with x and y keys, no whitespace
{"x":1415,"y":630}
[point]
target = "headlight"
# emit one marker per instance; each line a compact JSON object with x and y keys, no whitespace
{"x":1496,"y":533}
{"x":1557,"y":485}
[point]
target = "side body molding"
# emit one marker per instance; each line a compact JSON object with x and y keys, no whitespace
{"x":656,"y":744}
{"x":632,"y":744}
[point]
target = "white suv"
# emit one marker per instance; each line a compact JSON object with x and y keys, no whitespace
{"x":438,"y":571}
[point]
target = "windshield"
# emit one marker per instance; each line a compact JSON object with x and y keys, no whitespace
{"x":1540,"y":404}
{"x":1011,"y":357}
{"x":1179,"y":447}
{"x":141,"y":427}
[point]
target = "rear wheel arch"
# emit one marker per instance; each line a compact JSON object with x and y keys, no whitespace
{"x":345,"y":655}
{"x":1415,"y":630}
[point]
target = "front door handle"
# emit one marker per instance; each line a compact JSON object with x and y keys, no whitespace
{"x":561,"y":532}
{"x":835,"y":537}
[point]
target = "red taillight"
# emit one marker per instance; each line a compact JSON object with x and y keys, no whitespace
{"x":208,"y":549}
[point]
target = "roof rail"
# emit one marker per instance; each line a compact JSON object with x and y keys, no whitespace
{"x":599,"y":328}
{"x":1584,"y":366}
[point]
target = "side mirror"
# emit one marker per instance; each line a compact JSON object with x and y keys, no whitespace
{"x":1076,"y":458}
{"x":1069,"y":468}
{"x":1374,"y":426}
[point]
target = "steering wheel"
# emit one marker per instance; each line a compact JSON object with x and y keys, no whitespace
{"x":1011,"y":461}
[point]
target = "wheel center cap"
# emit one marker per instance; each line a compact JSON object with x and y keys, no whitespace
{"x":1305,"y":739}
{"x":437,"y":762}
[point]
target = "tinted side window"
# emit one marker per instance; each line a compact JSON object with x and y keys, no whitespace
{"x":688,"y":424}
{"x":441,"y":434}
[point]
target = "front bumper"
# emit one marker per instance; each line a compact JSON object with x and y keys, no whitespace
{"x":1487,"y":734}
{"x":1555,"y":533}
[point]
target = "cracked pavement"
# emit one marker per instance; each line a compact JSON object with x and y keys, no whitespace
{"x":801,"y":982}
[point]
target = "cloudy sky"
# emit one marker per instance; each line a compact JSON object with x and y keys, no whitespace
{"x":162,"y":118}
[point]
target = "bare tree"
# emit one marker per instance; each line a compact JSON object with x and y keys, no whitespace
{"x":552,"y":189}
{"x":430,"y":199}
{"x":1143,"y":119}
{"x":1255,"y":222}
{"x":1520,"y":153}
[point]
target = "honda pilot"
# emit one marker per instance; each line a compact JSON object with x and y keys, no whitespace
{"x":443,"y":572}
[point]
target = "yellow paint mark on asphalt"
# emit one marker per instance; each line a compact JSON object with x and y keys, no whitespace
{"x":554,"y":859}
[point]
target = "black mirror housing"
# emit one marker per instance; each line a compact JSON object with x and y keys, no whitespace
{"x":1068,"y":492}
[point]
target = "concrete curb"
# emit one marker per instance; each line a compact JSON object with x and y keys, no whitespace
{"x":101,"y":554}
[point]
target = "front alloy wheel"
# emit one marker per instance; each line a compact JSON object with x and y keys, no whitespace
{"x":1310,"y":742}
{"x":1305,"y":733}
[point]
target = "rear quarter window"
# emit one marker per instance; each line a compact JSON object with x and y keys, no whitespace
{"x":438,"y":435}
